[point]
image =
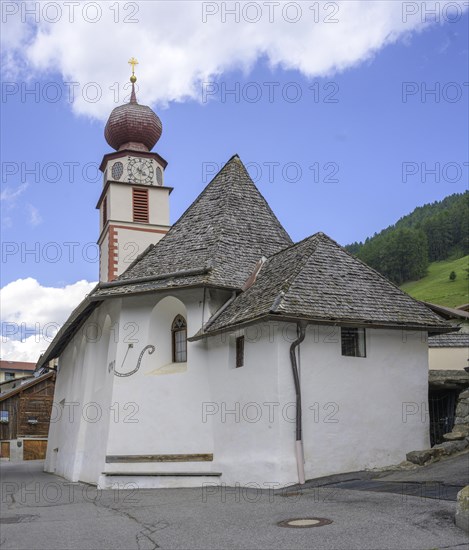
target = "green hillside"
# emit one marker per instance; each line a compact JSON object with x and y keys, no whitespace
{"x":434,"y":232}
{"x":437,"y":288}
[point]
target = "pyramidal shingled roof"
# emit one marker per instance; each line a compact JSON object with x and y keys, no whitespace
{"x":316,"y":279}
{"x":217,"y":241}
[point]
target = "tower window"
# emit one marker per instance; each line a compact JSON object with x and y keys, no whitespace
{"x":353,"y":342}
{"x":179,"y":337}
{"x":240,"y":352}
{"x":140,"y":205}
{"x":159,"y":176}
{"x":104,"y":211}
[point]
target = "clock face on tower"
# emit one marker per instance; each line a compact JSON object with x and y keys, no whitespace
{"x":140,"y":170}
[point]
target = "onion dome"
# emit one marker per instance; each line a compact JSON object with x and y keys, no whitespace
{"x":133,"y":126}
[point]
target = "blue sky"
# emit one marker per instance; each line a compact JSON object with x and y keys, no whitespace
{"x":350,"y":125}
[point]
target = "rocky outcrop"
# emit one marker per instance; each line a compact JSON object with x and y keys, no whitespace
{"x":460,"y":430}
{"x":458,"y":439}
{"x":438,"y":451}
{"x":462,"y":509}
{"x":448,"y":379}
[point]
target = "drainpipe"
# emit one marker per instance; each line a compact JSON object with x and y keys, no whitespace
{"x":299,"y":436}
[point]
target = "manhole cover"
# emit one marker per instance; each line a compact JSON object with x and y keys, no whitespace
{"x":302,"y":523}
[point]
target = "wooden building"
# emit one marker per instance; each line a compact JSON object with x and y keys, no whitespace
{"x":25,"y":413}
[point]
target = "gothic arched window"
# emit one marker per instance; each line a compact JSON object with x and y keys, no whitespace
{"x":179,"y":337}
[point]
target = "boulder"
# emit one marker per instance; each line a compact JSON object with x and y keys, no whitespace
{"x":454,"y":436}
{"x":460,"y":430}
{"x":451,"y":447}
{"x":462,"y":509}
{"x":419,"y":457}
{"x":422,"y":457}
{"x":462,"y":408}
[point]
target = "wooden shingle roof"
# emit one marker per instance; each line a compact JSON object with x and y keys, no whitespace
{"x":217,"y":241}
{"x":457,"y":340}
{"x":317,"y":280}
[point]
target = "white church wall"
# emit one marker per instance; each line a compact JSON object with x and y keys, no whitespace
{"x":64,"y":425}
{"x":77,"y":436}
{"x":246,"y":410}
{"x":164,"y":397}
{"x":361,"y":412}
{"x":63,"y":429}
{"x":357,"y":412}
{"x":97,"y":409}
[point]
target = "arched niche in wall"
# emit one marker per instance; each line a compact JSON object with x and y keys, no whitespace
{"x":161,"y":330}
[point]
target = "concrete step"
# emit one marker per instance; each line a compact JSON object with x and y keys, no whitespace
{"x":156,"y":480}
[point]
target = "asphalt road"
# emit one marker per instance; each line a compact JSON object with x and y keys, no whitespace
{"x":43,"y":511}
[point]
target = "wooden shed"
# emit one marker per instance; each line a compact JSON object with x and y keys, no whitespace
{"x":25,"y":413}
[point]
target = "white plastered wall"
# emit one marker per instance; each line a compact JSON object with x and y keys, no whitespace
{"x":361,"y":412}
{"x":164,"y":398}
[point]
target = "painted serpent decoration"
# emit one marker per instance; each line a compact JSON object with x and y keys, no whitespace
{"x":150,"y":349}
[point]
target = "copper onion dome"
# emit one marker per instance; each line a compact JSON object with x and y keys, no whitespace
{"x":133,"y":126}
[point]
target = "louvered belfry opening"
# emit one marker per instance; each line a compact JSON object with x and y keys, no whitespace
{"x":140,"y":205}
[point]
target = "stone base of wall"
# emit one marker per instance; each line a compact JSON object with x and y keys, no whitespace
{"x":458,"y":439}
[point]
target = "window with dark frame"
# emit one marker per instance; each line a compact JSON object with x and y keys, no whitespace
{"x":353,"y":342}
{"x":140,"y":205}
{"x":239,"y":352}
{"x":179,"y":339}
{"x":4,"y":417}
{"x":9,"y":376}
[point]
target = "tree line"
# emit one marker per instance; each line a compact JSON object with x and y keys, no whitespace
{"x":433,"y":232}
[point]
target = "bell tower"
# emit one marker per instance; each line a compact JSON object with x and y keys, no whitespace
{"x":134,"y":203}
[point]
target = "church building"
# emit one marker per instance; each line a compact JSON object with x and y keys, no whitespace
{"x":224,"y":352}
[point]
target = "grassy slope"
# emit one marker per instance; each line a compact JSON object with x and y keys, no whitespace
{"x":436,"y":286}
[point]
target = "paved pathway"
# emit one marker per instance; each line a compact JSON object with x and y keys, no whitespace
{"x":43,"y":511}
{"x":441,"y":480}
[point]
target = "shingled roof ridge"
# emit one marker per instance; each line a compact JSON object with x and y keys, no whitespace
{"x":293,"y":245}
{"x":311,"y":240}
{"x":235,"y":161}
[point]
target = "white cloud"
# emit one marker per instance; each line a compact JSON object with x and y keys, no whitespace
{"x":10,"y":195}
{"x":32,"y":314}
{"x":178,"y":50}
{"x":27,"y":349}
{"x":34,"y":216}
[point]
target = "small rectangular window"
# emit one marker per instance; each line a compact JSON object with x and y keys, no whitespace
{"x":9,"y":376}
{"x":353,"y":342}
{"x":240,"y":352}
{"x":140,"y":205}
{"x":4,"y":417}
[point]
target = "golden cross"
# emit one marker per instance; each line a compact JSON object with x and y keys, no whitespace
{"x":132,"y":61}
